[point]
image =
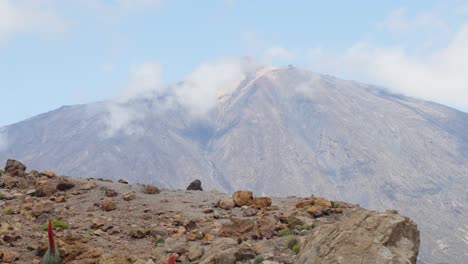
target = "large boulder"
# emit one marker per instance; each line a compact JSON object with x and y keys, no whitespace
{"x":242,"y":198}
{"x":363,"y":237}
{"x":15,"y":168}
{"x":195,"y":186}
{"x":223,"y":251}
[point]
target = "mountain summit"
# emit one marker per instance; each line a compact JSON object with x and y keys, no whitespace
{"x":277,"y":131}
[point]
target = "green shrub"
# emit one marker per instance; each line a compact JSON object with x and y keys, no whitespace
{"x":57,"y":224}
{"x":1,"y":172}
{"x":8,"y":211}
{"x":296,"y":248}
{"x":292,"y":241}
{"x":160,"y":241}
{"x":285,"y":232}
{"x":258,"y":259}
{"x":337,"y":204}
{"x":50,"y":258}
{"x":303,"y":227}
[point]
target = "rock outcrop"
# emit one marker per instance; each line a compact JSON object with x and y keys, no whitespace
{"x":98,"y":221}
{"x":363,"y":237}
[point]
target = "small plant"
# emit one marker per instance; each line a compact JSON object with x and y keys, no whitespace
{"x":56,"y":224}
{"x":160,"y":241}
{"x":258,"y":259}
{"x":285,"y":232}
{"x":1,"y":172}
{"x":337,"y":204}
{"x":200,"y":236}
{"x":52,"y":256}
{"x":2,"y":196}
{"x":303,"y":227}
{"x":296,"y":248}
{"x":147,"y":231}
{"x":8,"y":211}
{"x":292,"y":241}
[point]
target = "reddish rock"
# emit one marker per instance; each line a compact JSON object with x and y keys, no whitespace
{"x":150,"y":189}
{"x":240,"y":228}
{"x":267,"y":225}
{"x":129,"y":196}
{"x":111,"y":193}
{"x":315,"y":211}
{"x":304,"y":203}
{"x":15,"y":168}
{"x":10,"y":256}
{"x":48,"y":174}
{"x":261,"y":202}
{"x":45,"y":188}
{"x":322,"y":202}
{"x":242,"y":198}
{"x":107,"y":204}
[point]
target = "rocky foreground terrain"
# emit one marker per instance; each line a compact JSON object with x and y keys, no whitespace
{"x":99,"y":221}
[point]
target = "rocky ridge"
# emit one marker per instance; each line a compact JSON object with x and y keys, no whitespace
{"x":99,"y":221}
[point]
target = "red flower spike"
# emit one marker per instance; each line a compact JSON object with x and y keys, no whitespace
{"x":51,"y":238}
{"x":171,"y":260}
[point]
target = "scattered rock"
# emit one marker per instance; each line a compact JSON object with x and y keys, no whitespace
{"x":48,"y":174}
{"x":137,"y":233}
{"x":129,"y":196}
{"x":305,"y":202}
{"x":242,"y":198}
{"x":251,"y":211}
{"x":110,"y":193}
{"x":65,"y":185}
{"x":123,"y":181}
{"x":223,"y":251}
{"x":88,"y":186}
{"x":315,"y":211}
{"x":208,"y":210}
{"x":195,"y":252}
{"x":245,"y":252}
{"x":322,"y":202}
{"x":150,"y":189}
{"x":261,"y":202}
{"x":267,"y":225}
{"x":195,"y":186}
{"x":60,"y":199}
{"x":107,"y":204}
{"x":15,"y":168}
{"x":240,"y":228}
{"x":45,"y":188}
{"x":10,"y":256}
{"x":226,"y":203}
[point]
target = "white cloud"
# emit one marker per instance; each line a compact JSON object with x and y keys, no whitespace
{"x":20,"y":16}
{"x":145,"y":80}
{"x":122,"y":118}
{"x":198,"y":93}
{"x":278,"y":53}
{"x":399,"y":21}
{"x":209,"y":81}
{"x":440,"y":75}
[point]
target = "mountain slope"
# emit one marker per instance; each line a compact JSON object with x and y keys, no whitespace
{"x":282,"y":131}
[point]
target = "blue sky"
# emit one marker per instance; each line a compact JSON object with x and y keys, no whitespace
{"x":55,"y":53}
